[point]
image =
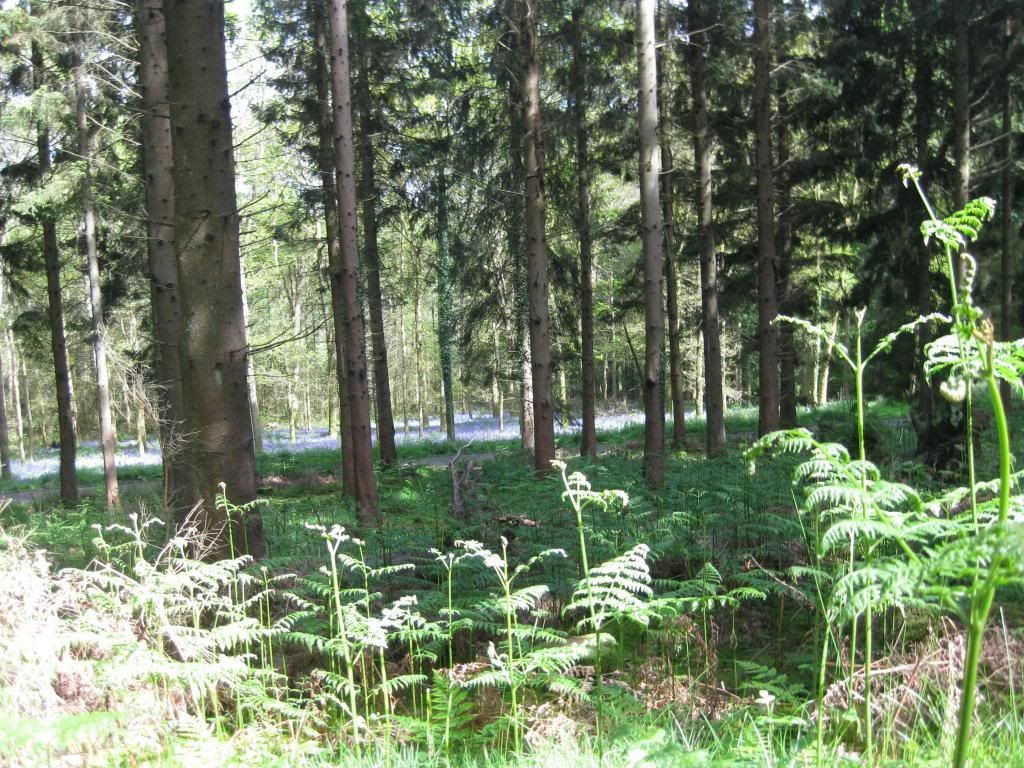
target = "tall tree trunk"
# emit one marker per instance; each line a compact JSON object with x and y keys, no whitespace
{"x":346,"y":271}
{"x":445,"y":310}
{"x":371,"y":258}
{"x":768,"y":372}
{"x":668,"y":223}
{"x":26,"y":392}
{"x":404,"y":357}
{"x":158,"y":163}
{"x":961,"y":111}
{"x":536,"y":244}
{"x":417,"y":348}
{"x":787,"y":349}
{"x":5,"y":445}
{"x":329,"y":192}
{"x":518,"y":255}
{"x":712,"y":332}
{"x":58,"y":338}
{"x":250,"y":370}
{"x":1006,"y":260}
{"x":588,"y":431}
{"x":651,"y":234}
{"x":922,"y":85}
{"x":12,"y":370}
{"x":219,"y":450}
{"x":108,"y":437}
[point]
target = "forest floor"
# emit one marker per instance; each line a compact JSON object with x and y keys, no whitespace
{"x":729,"y":680}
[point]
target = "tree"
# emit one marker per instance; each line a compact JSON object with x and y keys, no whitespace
{"x":1006,"y":211}
{"x":651,"y":240}
{"x":536,"y":243}
{"x":345,"y":273}
{"x":5,"y":443}
{"x":371,"y":257}
{"x":961,"y":78}
{"x":55,"y":305}
{"x":219,"y":444}
{"x":713,"y":393}
{"x":108,"y":437}
{"x":329,"y":201}
{"x":768,"y":372}
{"x":588,"y":430}
{"x":668,"y":218}
{"x":158,"y":166}
{"x":786,"y":340}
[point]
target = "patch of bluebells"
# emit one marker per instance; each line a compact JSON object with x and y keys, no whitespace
{"x":476,"y":427}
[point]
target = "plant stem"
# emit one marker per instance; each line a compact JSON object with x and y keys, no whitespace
{"x":981,"y":603}
{"x":869,"y":746}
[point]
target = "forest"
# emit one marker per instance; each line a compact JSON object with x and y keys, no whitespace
{"x":492,"y":383}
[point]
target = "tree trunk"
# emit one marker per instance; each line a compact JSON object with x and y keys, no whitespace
{"x":158,"y":164}
{"x":329,"y":192}
{"x":445,"y":310}
{"x":108,"y":437}
{"x":961,"y":112}
{"x":768,"y":362}
{"x":713,"y":379}
{"x":378,"y":347}
{"x":668,"y":222}
{"x":345,"y":273}
{"x":141,"y":438}
{"x":12,"y":370}
{"x":58,"y":339}
{"x":536,"y":244}
{"x":1006,"y":260}
{"x":5,"y":445}
{"x":417,"y":348}
{"x":923,"y":94}
{"x":787,"y":349}
{"x":588,"y":431}
{"x":219,"y":449}
{"x":26,"y":392}
{"x":250,"y":371}
{"x":651,"y":234}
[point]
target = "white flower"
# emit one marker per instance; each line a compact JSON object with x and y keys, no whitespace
{"x":765,"y":699}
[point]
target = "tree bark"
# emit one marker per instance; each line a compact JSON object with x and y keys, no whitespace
{"x":219,"y":450}
{"x":250,"y":370}
{"x":158,"y":168}
{"x":712,"y":332}
{"x":346,"y":272}
{"x":514,"y":236}
{"x":787,"y":349}
{"x":1006,"y":213}
{"x":668,"y":223}
{"x":12,"y":371}
{"x":445,"y":310}
{"x":588,"y":431}
{"x":27,"y":394}
{"x":329,"y":192}
{"x":371,"y":258}
{"x":58,"y":338}
{"x":961,"y":112}
{"x":651,"y":240}
{"x":922,"y":85}
{"x":768,"y":362}
{"x":5,"y":444}
{"x":536,"y":244}
{"x":108,"y":436}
